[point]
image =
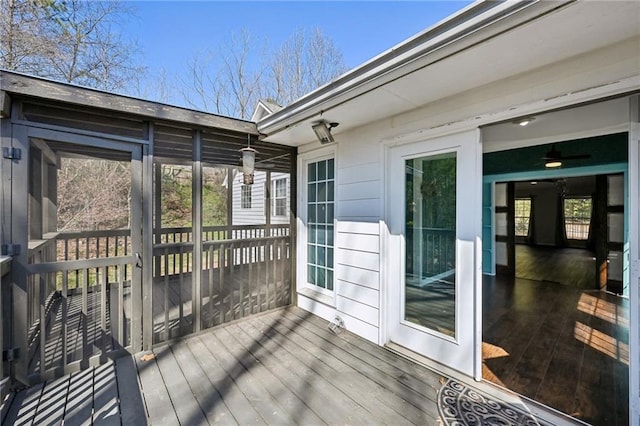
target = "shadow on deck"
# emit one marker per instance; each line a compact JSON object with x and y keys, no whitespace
{"x":86,"y":328}
{"x":283,"y":367}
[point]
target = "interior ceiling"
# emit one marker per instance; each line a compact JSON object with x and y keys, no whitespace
{"x":596,"y":24}
{"x":605,"y":149}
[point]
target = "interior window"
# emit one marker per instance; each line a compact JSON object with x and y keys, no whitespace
{"x":522,"y":216}
{"x":577,"y":217}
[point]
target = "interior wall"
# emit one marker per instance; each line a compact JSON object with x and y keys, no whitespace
{"x":546,"y":195}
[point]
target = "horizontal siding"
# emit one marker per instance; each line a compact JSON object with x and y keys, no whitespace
{"x":369,"y":228}
{"x":365,"y":295}
{"x":358,"y":310}
{"x":360,"y":327}
{"x":369,"y":208}
{"x":256,"y":214}
{"x":359,"y":259}
{"x":355,"y":275}
{"x":359,"y":190}
{"x":359,"y":242}
{"x":360,"y":173}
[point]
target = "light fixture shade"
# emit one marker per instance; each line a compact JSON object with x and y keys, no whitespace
{"x":551,"y":164}
{"x":323,"y":132}
{"x":248,"y":164}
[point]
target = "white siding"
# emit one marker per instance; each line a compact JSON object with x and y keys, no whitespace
{"x":360,"y":173}
{"x":256,"y":214}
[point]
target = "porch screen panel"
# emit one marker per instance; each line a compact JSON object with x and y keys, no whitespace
{"x":320,"y":213}
{"x":430,"y":237}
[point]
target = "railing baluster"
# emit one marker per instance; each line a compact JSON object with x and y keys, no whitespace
{"x":85,"y":316}
{"x":180,"y":285}
{"x":221,"y":265}
{"x":65,"y":317}
{"x":166,"y":294}
{"x":43,"y":326}
{"x":103,"y":312}
{"x":120,"y":307}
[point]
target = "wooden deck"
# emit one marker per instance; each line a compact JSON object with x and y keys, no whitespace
{"x":283,"y":367}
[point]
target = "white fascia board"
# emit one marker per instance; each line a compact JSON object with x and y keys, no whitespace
{"x":471,"y":26}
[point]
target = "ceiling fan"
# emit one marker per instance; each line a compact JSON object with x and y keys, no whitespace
{"x":554,"y":157}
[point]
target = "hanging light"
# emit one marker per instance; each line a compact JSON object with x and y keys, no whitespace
{"x":248,"y":162}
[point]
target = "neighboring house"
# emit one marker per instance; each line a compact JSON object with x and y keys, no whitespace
{"x":453,"y":102}
{"x":251,"y":202}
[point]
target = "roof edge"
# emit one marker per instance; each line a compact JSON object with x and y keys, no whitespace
{"x":376,"y":72}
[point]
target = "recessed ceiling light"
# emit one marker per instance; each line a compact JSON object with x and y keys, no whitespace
{"x":524,"y":121}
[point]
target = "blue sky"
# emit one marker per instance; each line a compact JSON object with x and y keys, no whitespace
{"x":171,"y":32}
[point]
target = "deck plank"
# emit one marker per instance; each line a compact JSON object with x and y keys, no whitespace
{"x":159,"y":407}
{"x":106,"y":410}
{"x":187,"y":408}
{"x":399,"y":369}
{"x":241,"y":408}
{"x":52,"y":402}
{"x":312,"y":388}
{"x":362,"y":382}
{"x":277,"y":389}
{"x":131,"y":404}
{"x":207,"y":395}
{"x":24,"y":406}
{"x":80,"y":398}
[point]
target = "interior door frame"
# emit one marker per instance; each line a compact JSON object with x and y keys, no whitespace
{"x":468,"y":338}
{"x":634,"y":259}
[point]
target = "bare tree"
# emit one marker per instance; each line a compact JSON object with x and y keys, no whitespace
{"x":243,"y":71}
{"x":306,"y":61}
{"x":72,"y":40}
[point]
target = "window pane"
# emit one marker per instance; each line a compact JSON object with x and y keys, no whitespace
{"x":311,"y":172}
{"x":430,"y":238}
{"x":522,"y":216}
{"x":577,"y":217}
{"x":320,"y":214}
{"x":311,"y":192}
{"x":322,"y":170}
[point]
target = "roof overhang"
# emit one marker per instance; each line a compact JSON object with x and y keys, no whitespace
{"x":481,"y":44}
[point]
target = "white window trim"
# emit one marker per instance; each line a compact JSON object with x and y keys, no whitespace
{"x":275,"y":197}
{"x":303,"y":287}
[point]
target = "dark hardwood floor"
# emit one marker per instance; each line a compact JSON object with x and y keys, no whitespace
{"x":566,"y":266}
{"x":561,"y":346}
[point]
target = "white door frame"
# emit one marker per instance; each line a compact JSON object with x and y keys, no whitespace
{"x":634,"y":261}
{"x":464,"y":353}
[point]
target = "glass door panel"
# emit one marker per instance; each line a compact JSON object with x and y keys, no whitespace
{"x":430,"y":230}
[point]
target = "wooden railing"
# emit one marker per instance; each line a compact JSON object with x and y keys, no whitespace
{"x":437,"y":251}
{"x":81,"y":302}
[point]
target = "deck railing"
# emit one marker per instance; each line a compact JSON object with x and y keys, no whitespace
{"x":437,"y":251}
{"x":80,"y":301}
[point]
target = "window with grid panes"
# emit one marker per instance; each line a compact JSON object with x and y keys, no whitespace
{"x":245,"y":196}
{"x":279,"y":196}
{"x":320,"y":210}
{"x":522,"y":216}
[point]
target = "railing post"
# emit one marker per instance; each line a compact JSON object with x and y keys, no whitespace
{"x":148,"y":204}
{"x":196,"y":231}
{"x":19,"y":195}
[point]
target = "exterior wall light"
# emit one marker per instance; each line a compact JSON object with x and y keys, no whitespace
{"x":322,"y":130}
{"x":248,"y":162}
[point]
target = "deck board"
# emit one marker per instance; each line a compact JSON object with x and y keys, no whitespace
{"x":281,"y":367}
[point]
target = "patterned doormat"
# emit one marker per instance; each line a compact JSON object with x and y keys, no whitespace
{"x":460,"y":405}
